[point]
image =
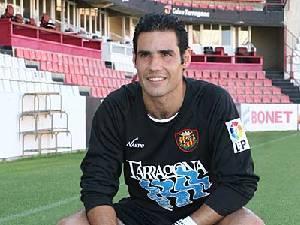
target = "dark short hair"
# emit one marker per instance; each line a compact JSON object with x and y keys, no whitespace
{"x":162,"y":22}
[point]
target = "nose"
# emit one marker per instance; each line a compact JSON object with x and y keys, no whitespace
{"x":155,"y":62}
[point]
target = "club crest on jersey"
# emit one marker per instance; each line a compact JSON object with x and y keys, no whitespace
{"x":187,"y":139}
{"x":237,"y":135}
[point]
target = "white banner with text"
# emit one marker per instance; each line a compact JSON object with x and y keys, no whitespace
{"x":270,"y":117}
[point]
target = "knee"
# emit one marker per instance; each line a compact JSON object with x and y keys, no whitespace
{"x":258,"y":221}
{"x":62,"y":222}
{"x":253,"y":219}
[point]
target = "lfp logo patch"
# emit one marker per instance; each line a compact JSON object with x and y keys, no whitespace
{"x":237,"y":135}
{"x":187,"y":139}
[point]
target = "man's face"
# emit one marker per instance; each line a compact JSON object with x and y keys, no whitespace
{"x":158,"y":63}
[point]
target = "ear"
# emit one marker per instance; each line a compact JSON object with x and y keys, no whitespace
{"x":186,"y":58}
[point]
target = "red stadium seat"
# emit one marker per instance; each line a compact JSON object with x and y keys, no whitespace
{"x":275,"y":99}
{"x":257,"y":91}
{"x":198,"y":74}
{"x":99,"y":92}
{"x":240,"y":91}
{"x":249,"y":90}
{"x":86,"y":70}
{"x":68,"y":78}
{"x":90,"y":81}
{"x":96,"y":82}
{"x":43,"y":66}
{"x":223,"y":75}
{"x":214,"y":74}
{"x":249,"y":99}
{"x":85,"y":80}
{"x":231,"y":83}
{"x":214,"y":81}
{"x":242,"y":75}
{"x":267,"y":83}
{"x":81,"y":70}
{"x":60,"y":68}
{"x":55,"y":57}
{"x":258,"y":83}
{"x":76,"y":79}
{"x":71,"y":60}
{"x":257,"y":99}
{"x":55,"y":67}
{"x":206,"y":74}
{"x":276,"y":90}
{"x":49,"y":57}
{"x":267,"y":91}
{"x":105,"y":82}
{"x":249,"y":83}
{"x":79,"y":79}
{"x":26,"y":53}
{"x":241,"y":98}
{"x":220,"y":7}
{"x":203,"y":6}
{"x":94,"y":92}
{"x":66,"y":68}
{"x":91,"y":71}
{"x":240,"y":83}
{"x":38,"y":55}
{"x":251,"y":75}
{"x":223,"y":82}
{"x":260,"y":75}
{"x":232,"y":75}
{"x":266,"y":99}
{"x":230,"y":7}
{"x":44,"y":57}
{"x":20,"y":52}
{"x":284,"y":99}
{"x":71,"y":69}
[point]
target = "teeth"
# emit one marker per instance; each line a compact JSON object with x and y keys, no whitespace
{"x":156,"y":78}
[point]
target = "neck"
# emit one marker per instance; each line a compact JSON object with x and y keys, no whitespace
{"x":165,"y":106}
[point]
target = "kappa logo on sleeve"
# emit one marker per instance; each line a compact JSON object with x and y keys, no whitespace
{"x":237,"y":135}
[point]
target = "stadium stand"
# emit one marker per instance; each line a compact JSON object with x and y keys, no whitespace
{"x":245,"y":87}
{"x":230,"y":5}
{"x":43,"y":122}
{"x":82,"y":71}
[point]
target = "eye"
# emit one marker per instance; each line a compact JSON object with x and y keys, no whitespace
{"x":144,"y":54}
{"x":166,"y":54}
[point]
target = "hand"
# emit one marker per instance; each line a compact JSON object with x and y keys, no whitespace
{"x":186,"y":221}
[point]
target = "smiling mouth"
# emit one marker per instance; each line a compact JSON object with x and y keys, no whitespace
{"x":156,"y":79}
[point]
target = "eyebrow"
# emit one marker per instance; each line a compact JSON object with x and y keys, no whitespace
{"x":162,"y":51}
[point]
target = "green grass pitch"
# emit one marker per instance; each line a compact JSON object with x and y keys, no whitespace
{"x":41,"y":190}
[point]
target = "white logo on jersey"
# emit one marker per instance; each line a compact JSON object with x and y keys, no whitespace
{"x":133,"y":144}
{"x":237,"y":135}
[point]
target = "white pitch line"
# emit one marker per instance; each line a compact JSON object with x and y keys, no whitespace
{"x":38,"y":209}
{"x":274,"y":140}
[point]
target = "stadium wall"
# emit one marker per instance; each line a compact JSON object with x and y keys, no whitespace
{"x":115,"y":28}
{"x":11,"y":141}
{"x":92,"y":105}
{"x":292,"y":16}
{"x":270,"y":117}
{"x":269,"y":42}
{"x":9,"y":135}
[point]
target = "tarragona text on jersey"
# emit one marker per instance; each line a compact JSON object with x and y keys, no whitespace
{"x":171,"y":168}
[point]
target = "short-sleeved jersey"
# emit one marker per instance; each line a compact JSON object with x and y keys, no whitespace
{"x":171,"y":168}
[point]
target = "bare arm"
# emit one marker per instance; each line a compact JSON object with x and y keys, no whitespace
{"x":102,"y":215}
{"x":206,"y":216}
